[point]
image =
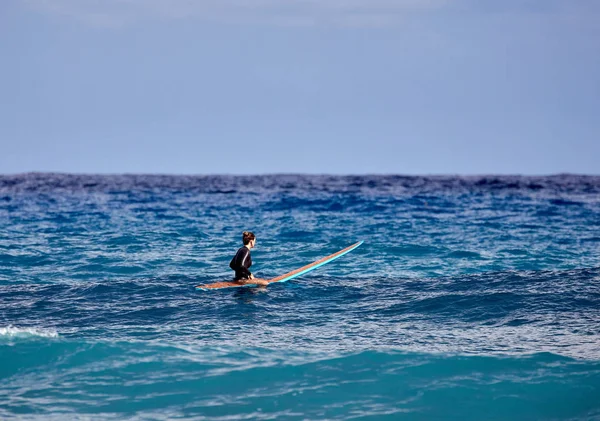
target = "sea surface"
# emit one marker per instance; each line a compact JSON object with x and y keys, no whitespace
{"x":472,"y":298}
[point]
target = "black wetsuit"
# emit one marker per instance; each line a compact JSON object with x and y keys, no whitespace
{"x":241,"y":263}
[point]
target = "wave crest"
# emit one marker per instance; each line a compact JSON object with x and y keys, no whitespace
{"x":16,"y":332}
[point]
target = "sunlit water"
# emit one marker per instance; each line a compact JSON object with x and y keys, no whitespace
{"x":472,"y":298}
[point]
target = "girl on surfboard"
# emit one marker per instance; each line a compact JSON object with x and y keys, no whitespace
{"x":242,"y":261}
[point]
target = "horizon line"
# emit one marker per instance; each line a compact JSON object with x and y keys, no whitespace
{"x":160,"y":174}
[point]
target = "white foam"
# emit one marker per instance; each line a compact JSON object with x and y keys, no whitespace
{"x":15,"y":332}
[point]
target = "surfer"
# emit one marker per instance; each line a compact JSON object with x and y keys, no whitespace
{"x":242,"y":261}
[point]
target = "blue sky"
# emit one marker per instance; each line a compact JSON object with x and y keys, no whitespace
{"x":309,"y":86}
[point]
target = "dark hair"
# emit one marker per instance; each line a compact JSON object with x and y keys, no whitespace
{"x":248,"y":236}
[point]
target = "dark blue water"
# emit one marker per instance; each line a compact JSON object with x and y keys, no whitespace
{"x":472,"y":298}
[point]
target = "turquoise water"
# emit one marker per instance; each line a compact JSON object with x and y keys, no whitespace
{"x":471,"y":298}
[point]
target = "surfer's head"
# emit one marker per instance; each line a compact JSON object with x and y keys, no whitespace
{"x":248,"y":238}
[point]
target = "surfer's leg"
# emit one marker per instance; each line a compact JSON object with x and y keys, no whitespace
{"x":246,"y":281}
{"x":241,"y":281}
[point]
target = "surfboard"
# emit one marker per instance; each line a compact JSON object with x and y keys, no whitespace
{"x":287,"y":276}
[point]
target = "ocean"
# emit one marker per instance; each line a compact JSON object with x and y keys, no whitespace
{"x":472,"y":298}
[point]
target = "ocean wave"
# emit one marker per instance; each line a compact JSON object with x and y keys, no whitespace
{"x":164,"y":381}
{"x":27,"y":332}
{"x":493,"y":313}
